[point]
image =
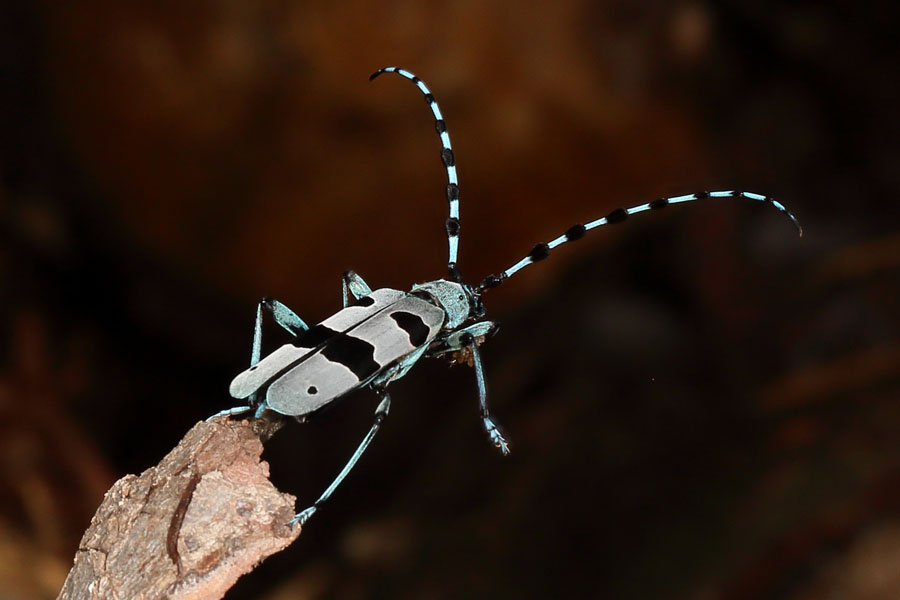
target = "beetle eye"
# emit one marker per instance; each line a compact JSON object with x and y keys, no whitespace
{"x":461,"y":298}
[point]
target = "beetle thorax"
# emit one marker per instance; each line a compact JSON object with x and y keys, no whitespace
{"x":451,"y":297}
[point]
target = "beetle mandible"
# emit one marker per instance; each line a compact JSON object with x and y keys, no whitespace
{"x":379,"y":335}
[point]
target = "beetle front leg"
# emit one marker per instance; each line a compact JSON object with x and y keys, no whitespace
{"x":492,"y":430}
{"x":461,"y":338}
{"x":380,"y":413}
{"x":284,"y":317}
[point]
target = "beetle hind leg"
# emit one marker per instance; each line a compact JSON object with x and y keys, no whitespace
{"x":380,"y":414}
{"x":237,"y":410}
{"x":353,"y":285}
{"x":284,"y":317}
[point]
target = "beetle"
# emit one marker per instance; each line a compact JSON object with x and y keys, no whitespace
{"x":379,"y":335}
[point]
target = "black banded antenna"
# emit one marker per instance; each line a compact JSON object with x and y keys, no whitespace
{"x":452,"y":192}
{"x":542,"y":250}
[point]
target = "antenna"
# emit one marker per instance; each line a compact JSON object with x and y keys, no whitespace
{"x":542,"y":250}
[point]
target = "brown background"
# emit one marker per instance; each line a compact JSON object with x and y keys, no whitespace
{"x":701,"y":404}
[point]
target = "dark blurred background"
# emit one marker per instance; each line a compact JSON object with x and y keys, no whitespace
{"x":701,"y":404}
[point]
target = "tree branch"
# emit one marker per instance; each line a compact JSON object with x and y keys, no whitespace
{"x":190,"y":526}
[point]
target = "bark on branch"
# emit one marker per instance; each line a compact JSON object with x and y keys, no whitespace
{"x":188,"y":527}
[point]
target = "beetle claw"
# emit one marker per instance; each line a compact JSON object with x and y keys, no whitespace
{"x":497,"y":438}
{"x":303,"y":517}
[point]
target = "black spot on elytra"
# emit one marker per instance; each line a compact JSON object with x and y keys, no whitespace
{"x":413,"y":325}
{"x":539,"y":252}
{"x":315,"y":337}
{"x":312,"y":390}
{"x":617,"y":216}
{"x":354,"y":353}
{"x":364,"y":301}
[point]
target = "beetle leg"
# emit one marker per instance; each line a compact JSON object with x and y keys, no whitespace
{"x":458,"y":340}
{"x":353,"y":284}
{"x":492,"y":430}
{"x":289,"y":321}
{"x":398,"y":370}
{"x":380,"y":413}
{"x":237,"y":410}
{"x":283,"y":316}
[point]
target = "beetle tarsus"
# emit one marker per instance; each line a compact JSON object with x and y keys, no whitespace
{"x":228,"y":412}
{"x":302,"y":517}
{"x":497,"y":438}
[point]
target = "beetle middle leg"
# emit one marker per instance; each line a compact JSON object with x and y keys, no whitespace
{"x":380,"y":414}
{"x":284,"y":317}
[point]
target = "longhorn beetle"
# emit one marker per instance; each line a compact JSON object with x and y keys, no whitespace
{"x":381,"y":334}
